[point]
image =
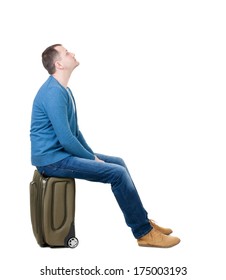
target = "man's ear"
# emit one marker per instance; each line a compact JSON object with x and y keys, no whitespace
{"x":58,"y":65}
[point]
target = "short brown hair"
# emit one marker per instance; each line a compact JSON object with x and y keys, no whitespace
{"x":48,"y":58}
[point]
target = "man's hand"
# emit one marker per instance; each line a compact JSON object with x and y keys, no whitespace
{"x":97,"y":159}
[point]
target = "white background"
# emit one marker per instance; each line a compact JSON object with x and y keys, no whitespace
{"x":150,"y":88}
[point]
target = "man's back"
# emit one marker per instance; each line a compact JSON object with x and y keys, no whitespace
{"x":48,"y":128}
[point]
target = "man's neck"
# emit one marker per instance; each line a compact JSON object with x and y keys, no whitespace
{"x":61,"y":78}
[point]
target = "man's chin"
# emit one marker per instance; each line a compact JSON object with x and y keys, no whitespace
{"x":77,"y":64}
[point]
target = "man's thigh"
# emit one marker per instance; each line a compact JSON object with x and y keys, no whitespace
{"x":80,"y":168}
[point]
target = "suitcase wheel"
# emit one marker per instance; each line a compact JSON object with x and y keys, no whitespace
{"x":72,"y":242}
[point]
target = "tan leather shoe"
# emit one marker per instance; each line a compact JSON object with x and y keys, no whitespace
{"x":157,"y":239}
{"x":163,"y":230}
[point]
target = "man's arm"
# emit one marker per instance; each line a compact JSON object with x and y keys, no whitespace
{"x":56,"y":109}
{"x":84,"y":143}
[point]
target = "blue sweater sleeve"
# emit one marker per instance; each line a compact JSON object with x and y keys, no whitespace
{"x":84,"y":143}
{"x":56,"y":106}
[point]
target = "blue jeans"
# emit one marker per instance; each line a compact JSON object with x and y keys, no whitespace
{"x":113,"y":171}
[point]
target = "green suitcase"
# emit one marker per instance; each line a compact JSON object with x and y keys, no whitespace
{"x":52,"y":207}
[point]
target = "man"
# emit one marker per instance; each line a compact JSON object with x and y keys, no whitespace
{"x":59,"y":149}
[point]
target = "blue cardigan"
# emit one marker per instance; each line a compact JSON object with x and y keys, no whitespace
{"x":54,"y":132}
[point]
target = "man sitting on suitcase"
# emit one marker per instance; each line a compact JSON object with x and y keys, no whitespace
{"x":59,"y":149}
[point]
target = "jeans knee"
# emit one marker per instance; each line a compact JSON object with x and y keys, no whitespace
{"x":120,"y":161}
{"x":120,"y":176}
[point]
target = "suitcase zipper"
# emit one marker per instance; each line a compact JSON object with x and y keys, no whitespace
{"x":42,"y":194}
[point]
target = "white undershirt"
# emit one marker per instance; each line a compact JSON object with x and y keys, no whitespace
{"x":70,"y":94}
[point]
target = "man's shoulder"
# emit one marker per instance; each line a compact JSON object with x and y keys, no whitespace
{"x":51,"y":88}
{"x":51,"y":83}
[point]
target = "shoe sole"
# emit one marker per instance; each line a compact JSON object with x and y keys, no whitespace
{"x":156,"y":246}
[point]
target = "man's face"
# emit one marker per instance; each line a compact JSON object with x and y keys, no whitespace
{"x":66,"y":59}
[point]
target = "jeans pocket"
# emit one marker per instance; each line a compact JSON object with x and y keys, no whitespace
{"x":53,"y":167}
